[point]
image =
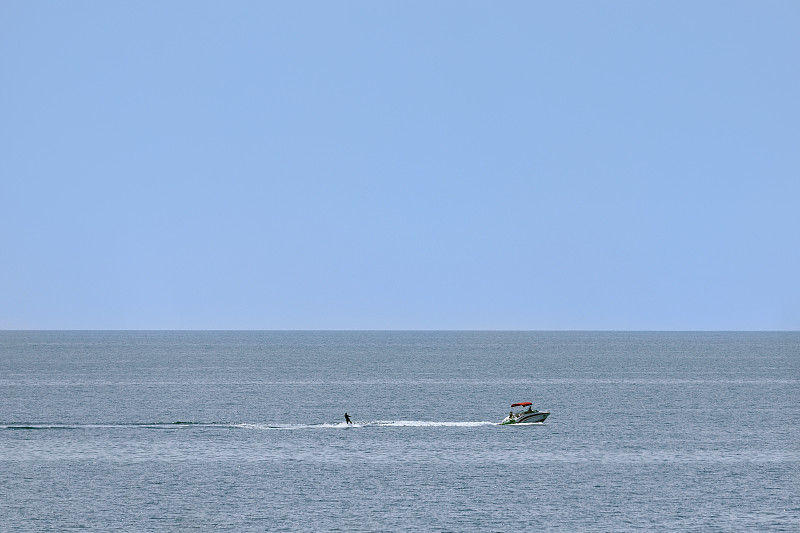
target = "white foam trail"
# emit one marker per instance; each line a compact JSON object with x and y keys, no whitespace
{"x":202,"y":425}
{"x":428,"y":423}
{"x":368,"y":424}
{"x":373,"y":423}
{"x":340,"y":425}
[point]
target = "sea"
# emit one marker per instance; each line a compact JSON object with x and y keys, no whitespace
{"x":245,"y":431}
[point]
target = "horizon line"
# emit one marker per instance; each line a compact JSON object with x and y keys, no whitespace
{"x":410,"y":330}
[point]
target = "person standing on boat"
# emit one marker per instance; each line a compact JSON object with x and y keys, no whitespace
{"x":347,"y":418}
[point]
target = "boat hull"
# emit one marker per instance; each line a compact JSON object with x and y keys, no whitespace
{"x":527,"y":418}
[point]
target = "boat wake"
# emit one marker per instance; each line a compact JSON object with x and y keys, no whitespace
{"x":252,"y":426}
{"x":370,"y":424}
{"x":425,"y":423}
{"x":132,"y":425}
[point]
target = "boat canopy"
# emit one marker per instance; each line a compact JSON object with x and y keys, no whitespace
{"x":521,"y":404}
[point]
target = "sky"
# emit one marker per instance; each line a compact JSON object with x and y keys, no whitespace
{"x":583,"y":165}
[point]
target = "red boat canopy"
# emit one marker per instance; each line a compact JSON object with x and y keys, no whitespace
{"x":521,"y":404}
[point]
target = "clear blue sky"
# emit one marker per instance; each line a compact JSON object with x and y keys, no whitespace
{"x":400,"y":165}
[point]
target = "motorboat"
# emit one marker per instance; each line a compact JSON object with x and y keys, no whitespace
{"x":524,"y":414}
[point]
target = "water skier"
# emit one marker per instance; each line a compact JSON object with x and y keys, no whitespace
{"x":347,"y":418}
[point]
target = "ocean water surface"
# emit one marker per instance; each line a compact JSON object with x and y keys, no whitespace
{"x":244,"y":431}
